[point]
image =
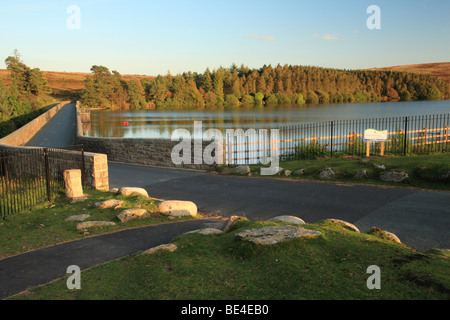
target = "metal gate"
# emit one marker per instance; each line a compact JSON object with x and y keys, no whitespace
{"x":33,"y":176}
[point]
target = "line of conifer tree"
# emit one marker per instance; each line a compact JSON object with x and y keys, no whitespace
{"x":268,"y":85}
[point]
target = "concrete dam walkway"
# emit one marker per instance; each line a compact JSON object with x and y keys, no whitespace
{"x":58,"y":132}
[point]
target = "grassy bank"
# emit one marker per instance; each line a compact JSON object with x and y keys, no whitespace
{"x":424,"y":171}
{"x":216,"y":267}
{"x":45,"y":225}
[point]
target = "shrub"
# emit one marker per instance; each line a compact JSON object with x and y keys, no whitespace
{"x":432,"y":172}
{"x":283,"y":98}
{"x":272,"y":100}
{"x":231,"y":100}
{"x":310,"y":151}
{"x":248,"y":100}
{"x":300,"y":100}
{"x":323,"y":96}
{"x":358,"y":147}
{"x":396,"y":144}
{"x":211,"y":99}
{"x":259,"y":96}
{"x":8,"y":126}
{"x":312,"y":98}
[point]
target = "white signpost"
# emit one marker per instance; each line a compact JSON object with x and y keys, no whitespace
{"x":372,"y":135}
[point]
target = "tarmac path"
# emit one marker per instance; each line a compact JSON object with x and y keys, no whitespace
{"x":58,"y":132}
{"x":420,"y":218}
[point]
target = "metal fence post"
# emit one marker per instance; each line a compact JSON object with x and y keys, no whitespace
{"x":47,"y":175}
{"x":406,"y":136}
{"x":332,"y":133}
{"x":83,"y":168}
{"x":4,"y":185}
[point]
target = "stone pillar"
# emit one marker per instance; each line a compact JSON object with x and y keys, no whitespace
{"x":100,"y":172}
{"x":72,"y":181}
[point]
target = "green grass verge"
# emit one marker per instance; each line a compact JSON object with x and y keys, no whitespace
{"x":219,"y":267}
{"x":424,"y":171}
{"x":45,"y":225}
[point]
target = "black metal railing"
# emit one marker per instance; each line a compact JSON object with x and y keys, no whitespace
{"x":406,"y":135}
{"x":30,"y":177}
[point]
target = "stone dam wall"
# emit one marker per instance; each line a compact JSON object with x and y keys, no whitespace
{"x":149,"y":152}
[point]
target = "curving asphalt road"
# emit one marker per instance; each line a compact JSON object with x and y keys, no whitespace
{"x":421,"y":219}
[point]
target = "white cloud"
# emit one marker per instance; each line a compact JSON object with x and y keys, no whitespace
{"x":329,"y":36}
{"x":256,"y":37}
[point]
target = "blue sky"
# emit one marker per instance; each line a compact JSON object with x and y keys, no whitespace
{"x":156,"y":36}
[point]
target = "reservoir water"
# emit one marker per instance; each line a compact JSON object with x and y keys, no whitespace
{"x":161,"y":123}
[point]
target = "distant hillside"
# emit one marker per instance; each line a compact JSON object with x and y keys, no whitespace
{"x":440,"y":70}
{"x":69,"y":84}
{"x":75,"y":80}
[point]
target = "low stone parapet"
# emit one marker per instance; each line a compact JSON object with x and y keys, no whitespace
{"x":26,"y":132}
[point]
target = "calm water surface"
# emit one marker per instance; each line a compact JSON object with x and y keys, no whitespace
{"x":161,"y":123}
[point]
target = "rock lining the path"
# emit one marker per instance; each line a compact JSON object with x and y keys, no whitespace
{"x":328,"y":173}
{"x":206,"y":231}
{"x":387,"y":234}
{"x":289,"y":219}
{"x":109,"y":204}
{"x":345,"y":223}
{"x":131,"y":214}
{"x":394,"y":176}
{"x":127,"y":191}
{"x":168,"y":247}
{"x":90,"y":224}
{"x":241,"y":170}
{"x":275,"y":234}
{"x":176,"y":208}
{"x":80,"y":217}
{"x":232,"y":220}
